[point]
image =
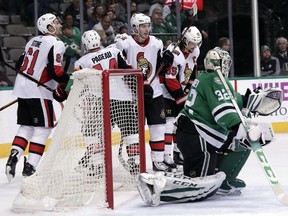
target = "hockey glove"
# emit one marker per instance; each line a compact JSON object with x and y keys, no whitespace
{"x":168,"y":58}
{"x":148,"y":93}
{"x":252,"y":133}
{"x":267,"y":135}
{"x":59,"y":93}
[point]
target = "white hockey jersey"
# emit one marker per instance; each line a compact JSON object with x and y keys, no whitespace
{"x":172,"y":76}
{"x":144,"y":57}
{"x":108,"y":58}
{"x":35,"y":65}
{"x":191,"y":61}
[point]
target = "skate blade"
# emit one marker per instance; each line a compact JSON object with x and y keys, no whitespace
{"x":9,"y":176}
{"x":234,"y":192}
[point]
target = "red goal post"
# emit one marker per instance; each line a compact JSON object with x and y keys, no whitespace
{"x":98,"y":146}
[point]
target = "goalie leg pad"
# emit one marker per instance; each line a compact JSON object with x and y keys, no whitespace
{"x":150,"y":187}
{"x":181,"y":188}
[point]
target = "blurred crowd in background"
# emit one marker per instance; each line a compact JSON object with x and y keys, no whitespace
{"x":110,"y":18}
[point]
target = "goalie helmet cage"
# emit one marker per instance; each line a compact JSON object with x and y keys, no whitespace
{"x":97,"y":146}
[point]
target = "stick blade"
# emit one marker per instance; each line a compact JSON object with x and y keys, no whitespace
{"x":280,"y":193}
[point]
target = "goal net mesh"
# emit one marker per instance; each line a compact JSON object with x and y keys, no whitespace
{"x":75,"y":169}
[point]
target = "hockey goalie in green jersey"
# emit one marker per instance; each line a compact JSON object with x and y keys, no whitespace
{"x":211,"y":138}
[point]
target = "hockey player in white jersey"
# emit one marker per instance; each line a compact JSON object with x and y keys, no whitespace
{"x":145,"y":52}
{"x":42,"y":60}
{"x":102,"y":59}
{"x":176,"y":80}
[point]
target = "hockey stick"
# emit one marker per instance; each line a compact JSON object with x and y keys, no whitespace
{"x":120,"y":157}
{"x":23,"y":74}
{"x":258,"y":151}
{"x":8,"y":105}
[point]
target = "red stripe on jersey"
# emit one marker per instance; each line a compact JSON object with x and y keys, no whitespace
{"x":157,"y":145}
{"x":59,"y":71}
{"x":44,"y":76}
{"x":36,"y":148}
{"x":20,"y":142}
{"x":173,"y":84}
{"x":168,"y":138}
{"x":48,"y":113}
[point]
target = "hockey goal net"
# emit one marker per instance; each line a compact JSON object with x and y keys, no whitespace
{"x":98,"y":145}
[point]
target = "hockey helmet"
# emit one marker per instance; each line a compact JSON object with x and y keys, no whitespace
{"x":138,"y":19}
{"x":192,"y":35}
{"x":90,"y":40}
{"x":44,"y":21}
{"x":218,"y":59}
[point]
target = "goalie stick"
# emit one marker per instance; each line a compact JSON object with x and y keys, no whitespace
{"x":277,"y":188}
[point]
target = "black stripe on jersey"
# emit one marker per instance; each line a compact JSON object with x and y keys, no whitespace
{"x":211,"y":134}
{"x":223,"y":109}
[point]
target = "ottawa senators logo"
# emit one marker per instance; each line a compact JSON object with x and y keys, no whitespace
{"x":143,"y":64}
{"x":187,"y":73}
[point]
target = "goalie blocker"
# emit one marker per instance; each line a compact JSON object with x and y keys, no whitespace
{"x":175,"y":188}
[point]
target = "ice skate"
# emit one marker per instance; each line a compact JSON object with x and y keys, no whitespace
{"x":28,"y":169}
{"x":161,"y":166}
{"x":11,"y":164}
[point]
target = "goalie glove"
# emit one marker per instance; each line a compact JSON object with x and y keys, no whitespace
{"x":59,"y":93}
{"x":264,"y":102}
{"x":257,"y":131}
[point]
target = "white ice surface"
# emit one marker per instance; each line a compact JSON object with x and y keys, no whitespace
{"x":256,"y":199}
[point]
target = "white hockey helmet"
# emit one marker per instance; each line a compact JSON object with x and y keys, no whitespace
{"x":44,"y":21}
{"x":138,"y":19}
{"x":192,"y":35}
{"x":218,"y":59}
{"x":90,"y":40}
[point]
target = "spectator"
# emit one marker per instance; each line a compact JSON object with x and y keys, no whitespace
{"x":4,"y":80}
{"x":160,"y":4}
{"x":224,"y":43}
{"x":160,"y":26}
{"x":96,"y":16}
{"x":105,"y":25}
{"x":123,"y":29}
{"x":281,"y":54}
{"x":166,"y":43}
{"x":114,"y":22}
{"x":103,"y":38}
{"x":74,"y":10}
{"x":89,"y":7}
{"x":111,"y":6}
{"x":134,"y":7}
{"x":171,"y":17}
{"x":269,"y":64}
{"x":121,"y":11}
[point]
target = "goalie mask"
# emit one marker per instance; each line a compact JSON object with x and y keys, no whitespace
{"x":90,"y":40}
{"x":192,"y":35}
{"x":218,"y":59}
{"x":139,"y":19}
{"x":44,"y":21}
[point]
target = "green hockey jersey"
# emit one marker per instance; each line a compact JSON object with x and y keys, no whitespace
{"x":209,"y":107}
